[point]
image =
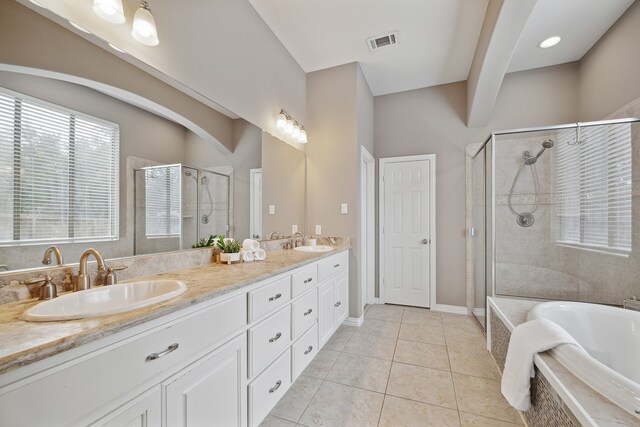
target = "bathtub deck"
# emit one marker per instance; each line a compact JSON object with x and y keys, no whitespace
{"x":598,"y":409}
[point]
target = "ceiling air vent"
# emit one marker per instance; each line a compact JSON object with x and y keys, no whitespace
{"x":386,"y":40}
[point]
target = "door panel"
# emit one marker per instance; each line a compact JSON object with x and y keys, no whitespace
{"x":407,"y":232}
{"x":342,"y":298}
{"x":326,"y":314}
{"x":143,"y":411}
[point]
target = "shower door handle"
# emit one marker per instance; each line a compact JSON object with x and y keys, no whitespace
{"x":426,"y":241}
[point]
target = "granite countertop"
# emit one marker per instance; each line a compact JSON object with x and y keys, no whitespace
{"x":23,"y":343}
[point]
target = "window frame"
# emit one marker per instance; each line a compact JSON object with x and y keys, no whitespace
{"x":116,"y":173}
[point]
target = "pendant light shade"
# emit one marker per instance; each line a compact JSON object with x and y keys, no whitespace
{"x":144,"y":26}
{"x":289,"y":129}
{"x":109,"y":10}
{"x":303,"y":136}
{"x":282,"y":121}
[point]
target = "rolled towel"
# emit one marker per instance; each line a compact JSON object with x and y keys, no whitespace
{"x":260,"y":255}
{"x":526,"y":341}
{"x":250,"y":245}
{"x":247,"y":256}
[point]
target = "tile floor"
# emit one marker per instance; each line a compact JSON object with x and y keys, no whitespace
{"x":403,"y":367}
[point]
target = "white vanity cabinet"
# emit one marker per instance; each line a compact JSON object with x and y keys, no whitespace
{"x":224,"y":362}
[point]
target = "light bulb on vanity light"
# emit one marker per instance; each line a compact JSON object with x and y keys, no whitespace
{"x":289,"y":129}
{"x":296,"y":132}
{"x":282,"y":121}
{"x":303,"y":136}
{"x":109,"y":10}
{"x":144,"y":26}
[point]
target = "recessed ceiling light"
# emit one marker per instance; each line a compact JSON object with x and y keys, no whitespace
{"x":550,"y":42}
{"x":116,"y":48}
{"x":76,"y":26}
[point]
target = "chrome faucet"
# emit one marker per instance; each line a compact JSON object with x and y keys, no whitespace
{"x":83,"y":281}
{"x":274,"y":235}
{"x":46,"y":260}
{"x":297,"y":242}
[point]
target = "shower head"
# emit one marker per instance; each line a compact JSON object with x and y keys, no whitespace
{"x":548,"y":143}
{"x":531,"y":160}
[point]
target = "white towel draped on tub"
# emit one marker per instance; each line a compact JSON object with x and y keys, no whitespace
{"x":528,"y":339}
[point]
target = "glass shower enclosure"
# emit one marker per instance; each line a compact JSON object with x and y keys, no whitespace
{"x":176,"y":205}
{"x":554,"y":214}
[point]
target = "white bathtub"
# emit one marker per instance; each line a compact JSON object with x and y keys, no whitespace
{"x":610,"y":336}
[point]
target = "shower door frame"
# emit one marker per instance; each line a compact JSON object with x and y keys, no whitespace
{"x":491,"y":290}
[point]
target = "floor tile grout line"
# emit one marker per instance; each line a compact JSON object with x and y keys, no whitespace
{"x":423,"y":402}
{"x":489,"y":418}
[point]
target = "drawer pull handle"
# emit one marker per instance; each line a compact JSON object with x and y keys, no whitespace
{"x":276,"y":338}
{"x":275,"y":387}
{"x":336,"y":265}
{"x":308,"y":312}
{"x":338,"y":304}
{"x":275,"y":297}
{"x":309,"y":280}
{"x":307,"y":351}
{"x":154,"y":356}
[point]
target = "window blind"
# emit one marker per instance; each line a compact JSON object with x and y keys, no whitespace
{"x":162,"y":202}
{"x":58,"y":173}
{"x":593,"y":180}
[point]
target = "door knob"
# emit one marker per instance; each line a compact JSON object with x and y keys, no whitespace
{"x":426,"y":241}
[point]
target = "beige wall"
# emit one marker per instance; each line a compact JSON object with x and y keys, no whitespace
{"x":432,"y":120}
{"x":610,"y":71}
{"x":340,"y":119}
{"x":283,"y":185}
{"x":27,"y":39}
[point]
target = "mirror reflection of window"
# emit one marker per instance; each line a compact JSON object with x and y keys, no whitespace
{"x":58,"y":173}
{"x":162,"y":201}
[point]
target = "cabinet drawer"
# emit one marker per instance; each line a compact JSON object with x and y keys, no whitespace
{"x":332,"y":265}
{"x":268,"y":338}
{"x":97,"y":380}
{"x":304,"y":350}
{"x":269,"y":298}
{"x":304,"y":313}
{"x":268,"y":388}
{"x":305,"y":280}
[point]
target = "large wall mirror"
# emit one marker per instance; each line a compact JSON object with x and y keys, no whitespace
{"x":82,"y":167}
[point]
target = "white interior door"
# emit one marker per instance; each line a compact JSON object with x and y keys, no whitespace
{"x":407,"y":258}
{"x":255,"y":202}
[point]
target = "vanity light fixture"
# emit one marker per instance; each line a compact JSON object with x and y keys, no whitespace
{"x":549,"y":42}
{"x":290,"y":128}
{"x":144,"y":26}
{"x":109,"y":10}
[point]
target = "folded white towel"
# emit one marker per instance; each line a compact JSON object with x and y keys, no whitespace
{"x":260,"y":255}
{"x":247,"y":256}
{"x":250,"y":245}
{"x":528,"y":339}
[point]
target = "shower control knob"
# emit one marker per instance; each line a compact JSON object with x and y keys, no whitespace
{"x":426,"y":241}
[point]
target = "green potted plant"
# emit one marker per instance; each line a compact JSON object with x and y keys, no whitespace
{"x":230,"y":250}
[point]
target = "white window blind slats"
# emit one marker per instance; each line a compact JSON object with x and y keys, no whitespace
{"x":162,"y":202}
{"x":58,"y":173}
{"x":593,"y":180}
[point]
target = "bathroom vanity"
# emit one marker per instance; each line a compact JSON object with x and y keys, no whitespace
{"x":226,"y":350}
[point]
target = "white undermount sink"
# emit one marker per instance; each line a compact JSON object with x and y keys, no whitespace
{"x":105,"y":300}
{"x":317,"y":248}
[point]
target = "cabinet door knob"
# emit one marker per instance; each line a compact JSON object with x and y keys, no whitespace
{"x":307,"y":351}
{"x":154,"y":356}
{"x":309,"y":280}
{"x":273,"y":298}
{"x":275,"y":387}
{"x":426,"y":241}
{"x":308,"y":312}
{"x":338,"y":304}
{"x":276,"y":338}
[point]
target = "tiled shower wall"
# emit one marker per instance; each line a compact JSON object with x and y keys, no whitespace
{"x":528,"y":261}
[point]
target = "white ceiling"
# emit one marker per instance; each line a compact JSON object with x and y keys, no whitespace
{"x":580,"y":23}
{"x":437,"y":37}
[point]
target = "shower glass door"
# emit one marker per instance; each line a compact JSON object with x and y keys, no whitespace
{"x":214,"y":204}
{"x":478,"y":233}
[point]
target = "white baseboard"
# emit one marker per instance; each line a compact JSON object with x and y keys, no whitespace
{"x":354,"y":321}
{"x":454,"y":309}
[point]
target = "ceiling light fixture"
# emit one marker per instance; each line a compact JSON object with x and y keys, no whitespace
{"x":291,"y":129}
{"x":550,"y":42}
{"x":109,"y":10}
{"x":78,"y":27}
{"x":144,"y":26}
